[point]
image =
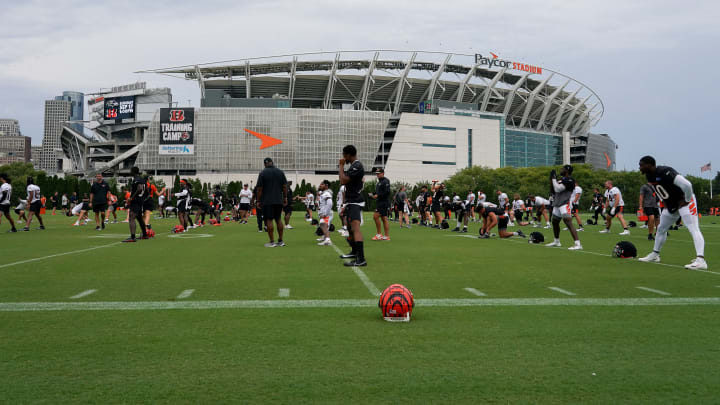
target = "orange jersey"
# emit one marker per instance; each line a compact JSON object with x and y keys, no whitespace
{"x":153,"y":190}
{"x":113,"y":198}
{"x":42,"y":200}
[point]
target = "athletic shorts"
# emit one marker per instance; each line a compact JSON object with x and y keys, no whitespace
{"x":618,"y":210}
{"x":5,"y":208}
{"x":35,"y":207}
{"x":136,"y":208}
{"x":149,"y":205}
{"x":575,"y":208}
{"x":651,"y":211}
{"x":383,"y":207}
{"x":99,"y":208}
{"x":562,"y":211}
{"x":244,"y":207}
{"x":326,"y":220}
{"x":17,"y":211}
{"x":85,"y":207}
{"x":503,"y":222}
{"x":436,"y":208}
{"x":353,"y":212}
{"x":287,"y":209}
{"x":56,"y":205}
{"x":518,"y":215}
{"x":65,"y":207}
{"x":272,"y":211}
{"x":181,"y":208}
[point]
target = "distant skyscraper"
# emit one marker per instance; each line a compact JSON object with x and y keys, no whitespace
{"x":56,"y":111}
{"x":9,"y":127}
{"x":76,"y":100}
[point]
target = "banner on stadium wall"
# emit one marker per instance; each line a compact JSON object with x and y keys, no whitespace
{"x":176,"y":131}
{"x":119,"y":108}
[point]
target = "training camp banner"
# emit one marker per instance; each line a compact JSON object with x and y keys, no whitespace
{"x":119,"y":108}
{"x":176,"y":131}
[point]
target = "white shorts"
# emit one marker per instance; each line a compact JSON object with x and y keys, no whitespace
{"x":562,"y":211}
{"x":76,"y":209}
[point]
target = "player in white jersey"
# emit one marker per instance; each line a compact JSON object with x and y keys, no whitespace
{"x":33,"y":197}
{"x":541,"y":205}
{"x":481,"y":197}
{"x":340,"y":209}
{"x":309,"y":200}
{"x":470,"y":207}
{"x":245,"y":198}
{"x":5,"y":194}
{"x":614,"y":204}
{"x":518,"y":210}
{"x":502,"y":199}
{"x":575,"y":204}
{"x":325,"y":212}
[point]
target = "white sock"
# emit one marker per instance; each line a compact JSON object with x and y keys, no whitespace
{"x":577,"y":243}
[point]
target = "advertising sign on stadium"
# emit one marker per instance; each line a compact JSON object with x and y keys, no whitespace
{"x":176,"y":131}
{"x":119,"y":108}
{"x":495,"y":61}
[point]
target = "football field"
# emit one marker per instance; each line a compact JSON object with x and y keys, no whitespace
{"x":210,"y":316}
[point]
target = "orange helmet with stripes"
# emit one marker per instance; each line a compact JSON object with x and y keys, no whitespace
{"x":396,"y":303}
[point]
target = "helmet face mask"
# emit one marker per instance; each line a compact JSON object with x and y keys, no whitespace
{"x":536,"y":237}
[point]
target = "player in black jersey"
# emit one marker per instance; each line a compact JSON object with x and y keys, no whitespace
{"x":354,"y":203}
{"x":218,"y":203}
{"x":676,"y":193}
{"x":202,"y":208}
{"x":597,"y":205}
{"x":438,"y":199}
{"x":135,"y":207}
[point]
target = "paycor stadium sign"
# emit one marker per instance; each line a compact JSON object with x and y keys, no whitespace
{"x":495,"y":61}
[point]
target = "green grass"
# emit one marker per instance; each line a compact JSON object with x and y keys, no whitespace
{"x":449,"y":354}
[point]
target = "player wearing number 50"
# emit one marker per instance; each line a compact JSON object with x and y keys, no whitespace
{"x":676,"y":193}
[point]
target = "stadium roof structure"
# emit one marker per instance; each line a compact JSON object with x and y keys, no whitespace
{"x":398,"y":81}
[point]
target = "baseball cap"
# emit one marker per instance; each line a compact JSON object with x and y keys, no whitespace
{"x":267,"y":160}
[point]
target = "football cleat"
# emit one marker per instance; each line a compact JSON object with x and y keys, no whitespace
{"x":698,"y":264}
{"x":576,"y":247}
{"x":555,"y":243}
{"x":325,"y":242}
{"x":651,"y":258}
{"x":625,"y":232}
{"x":269,"y":245}
{"x":348,"y":256}
{"x":605,"y":231}
{"x":377,"y":237}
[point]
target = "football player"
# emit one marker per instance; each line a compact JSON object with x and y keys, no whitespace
{"x":649,"y":206}
{"x":33,"y":198}
{"x":540,"y":205}
{"x":354,"y":203}
{"x":287,"y":207}
{"x":135,"y":205}
{"x":562,"y":190}
{"x":614,"y":200}
{"x":245,"y":197}
{"x":382,"y":195}
{"x":495,"y":216}
{"x":5,"y":193}
{"x":575,"y":201}
{"x":518,"y":209}
{"x":437,"y":203}
{"x":325,"y":212}
{"x":597,"y":205}
{"x":677,"y":195}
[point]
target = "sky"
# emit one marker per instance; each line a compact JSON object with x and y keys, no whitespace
{"x":653,"y":63}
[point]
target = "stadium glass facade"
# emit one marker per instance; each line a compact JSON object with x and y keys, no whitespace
{"x":527,"y":149}
{"x":312,"y":140}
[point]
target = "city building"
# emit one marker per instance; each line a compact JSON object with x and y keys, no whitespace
{"x":9,"y":127}
{"x":77,"y":111}
{"x":14,"y":149}
{"x":57,"y":112}
{"x":36,"y":155}
{"x":597,"y":150}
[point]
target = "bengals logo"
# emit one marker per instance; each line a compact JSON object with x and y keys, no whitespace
{"x":177,"y":115}
{"x":185,"y":136}
{"x":396,"y":302}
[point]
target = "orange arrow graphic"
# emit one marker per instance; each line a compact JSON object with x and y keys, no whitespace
{"x":609,"y":162}
{"x":267,"y":141}
{"x":494,"y":56}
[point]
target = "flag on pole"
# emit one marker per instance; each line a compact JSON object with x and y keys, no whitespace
{"x":705,"y":168}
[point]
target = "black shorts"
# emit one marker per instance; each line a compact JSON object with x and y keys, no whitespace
{"x":353,"y":212}
{"x":502,"y":223}
{"x":181,"y":208}
{"x":56,"y":205}
{"x":136,"y":208}
{"x":575,"y":208}
{"x":435,"y":208}
{"x":383,"y":207}
{"x":272,"y":211}
{"x":244,"y":207}
{"x":5,"y":208}
{"x":149,"y":205}
{"x":65,"y":207}
{"x":618,"y":210}
{"x":286,"y":209}
{"x":651,"y":211}
{"x":518,"y":215}
{"x":99,"y":208}
{"x":85,"y":207}
{"x":35,"y":207}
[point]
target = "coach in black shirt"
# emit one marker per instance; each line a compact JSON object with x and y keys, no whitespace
{"x":98,"y":200}
{"x":271,"y":192}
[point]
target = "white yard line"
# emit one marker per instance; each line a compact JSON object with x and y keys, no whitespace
{"x":58,"y":255}
{"x":653,"y":290}
{"x":83,"y":294}
{"x":474,"y":291}
{"x":561,"y":291}
{"x":185,"y":294}
{"x":364,"y":303}
{"x":362,"y":276}
{"x":283,"y":292}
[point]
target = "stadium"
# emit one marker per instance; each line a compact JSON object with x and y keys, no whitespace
{"x":418,"y":115}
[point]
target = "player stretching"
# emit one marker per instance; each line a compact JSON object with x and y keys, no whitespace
{"x":325,"y":212}
{"x":33,"y":198}
{"x":562,"y":190}
{"x":354,"y":203}
{"x":613,"y":198}
{"x":676,"y":193}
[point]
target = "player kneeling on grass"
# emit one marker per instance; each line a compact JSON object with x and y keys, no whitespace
{"x":562,"y":191}
{"x":495,"y":216}
{"x":326,"y":212}
{"x":676,"y":193}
